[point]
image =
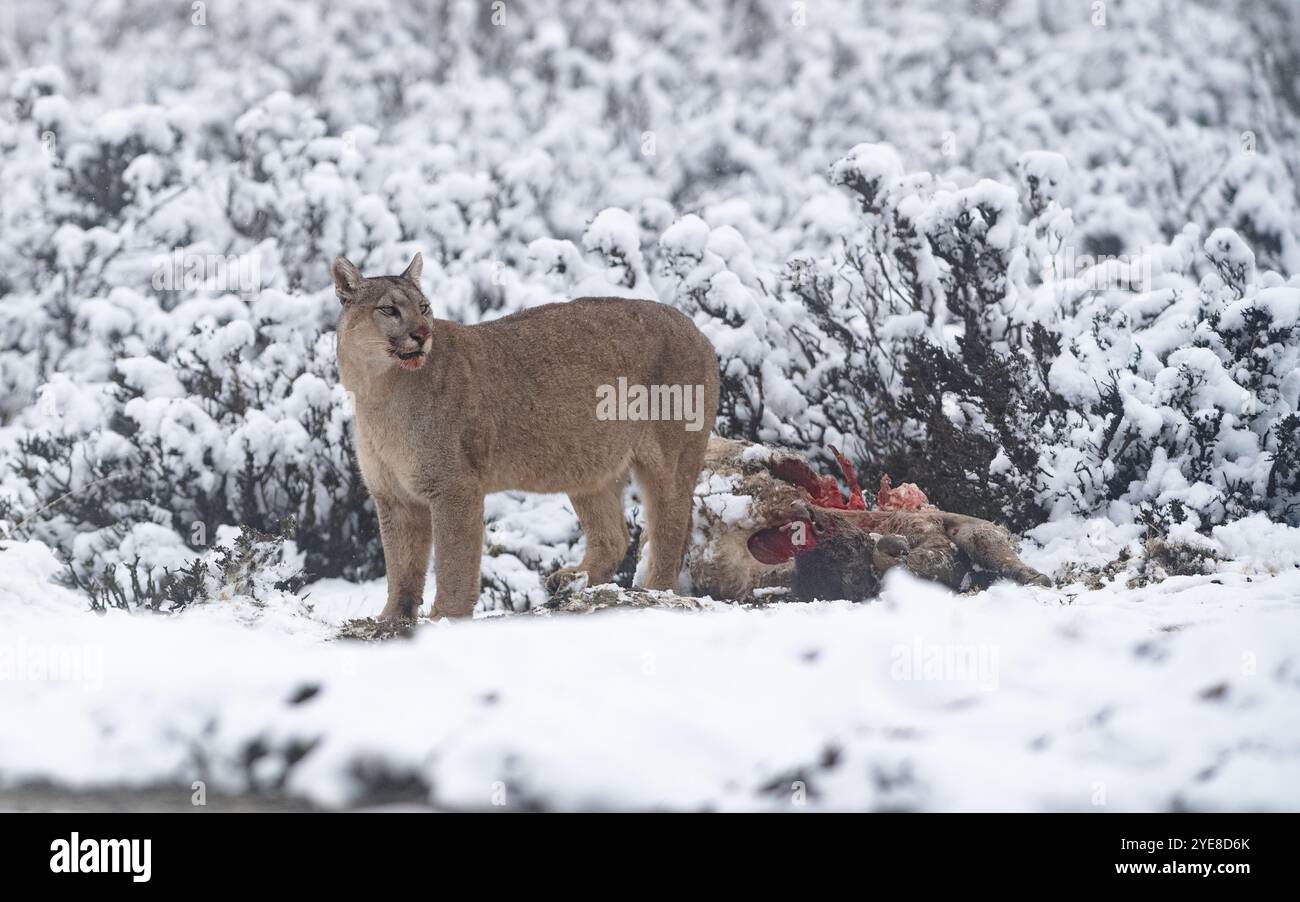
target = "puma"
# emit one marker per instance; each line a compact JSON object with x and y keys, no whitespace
{"x":448,"y":413}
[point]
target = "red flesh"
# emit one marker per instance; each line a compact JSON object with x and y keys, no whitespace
{"x":775,"y":545}
{"x":907,"y":497}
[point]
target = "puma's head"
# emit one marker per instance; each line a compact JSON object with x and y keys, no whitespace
{"x":384,"y":316}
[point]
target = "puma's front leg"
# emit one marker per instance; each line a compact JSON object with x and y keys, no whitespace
{"x":407,"y":532}
{"x":458,"y":549}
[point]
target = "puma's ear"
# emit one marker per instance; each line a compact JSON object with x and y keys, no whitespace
{"x":347,"y":279}
{"x":414,"y":269}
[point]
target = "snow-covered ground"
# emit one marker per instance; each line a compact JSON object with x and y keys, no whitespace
{"x":1181,"y":695}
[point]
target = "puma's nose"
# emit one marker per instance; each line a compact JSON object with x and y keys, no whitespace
{"x":420,"y":334}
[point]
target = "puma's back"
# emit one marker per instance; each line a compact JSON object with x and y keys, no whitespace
{"x":570,"y":385}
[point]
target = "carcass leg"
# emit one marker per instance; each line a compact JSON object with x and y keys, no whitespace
{"x":990,"y":547}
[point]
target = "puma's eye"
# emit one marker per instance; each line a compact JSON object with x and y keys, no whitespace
{"x":389,"y":311}
{"x":424,"y":308}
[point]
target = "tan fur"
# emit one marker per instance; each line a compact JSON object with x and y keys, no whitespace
{"x":512,"y":405}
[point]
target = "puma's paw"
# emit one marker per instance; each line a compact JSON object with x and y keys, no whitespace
{"x":566,"y":581}
{"x":400,"y":610}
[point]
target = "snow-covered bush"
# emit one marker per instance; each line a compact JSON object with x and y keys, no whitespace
{"x":231,"y":428}
{"x":1016,"y":394}
{"x":250,"y":565}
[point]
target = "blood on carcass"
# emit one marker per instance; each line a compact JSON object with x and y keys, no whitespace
{"x":778,"y":544}
{"x":823,"y":491}
{"x":907,"y":497}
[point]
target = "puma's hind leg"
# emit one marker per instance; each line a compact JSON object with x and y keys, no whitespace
{"x":668,"y":488}
{"x":600,"y":514}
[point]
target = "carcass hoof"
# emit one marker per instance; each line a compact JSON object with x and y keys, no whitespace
{"x":1031,"y":577}
{"x":566,"y":581}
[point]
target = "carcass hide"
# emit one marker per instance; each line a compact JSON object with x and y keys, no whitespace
{"x":765,"y":519}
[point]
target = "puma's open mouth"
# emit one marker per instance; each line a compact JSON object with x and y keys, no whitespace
{"x":411,"y":360}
